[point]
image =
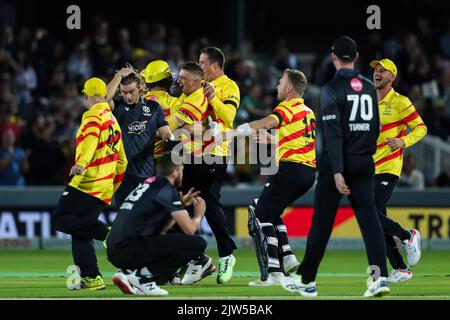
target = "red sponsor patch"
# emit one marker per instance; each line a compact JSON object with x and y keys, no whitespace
{"x":356,"y":84}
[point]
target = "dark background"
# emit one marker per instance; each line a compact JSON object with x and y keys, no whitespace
{"x":301,"y":22}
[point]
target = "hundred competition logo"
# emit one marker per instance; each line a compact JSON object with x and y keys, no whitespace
{"x":137,"y":127}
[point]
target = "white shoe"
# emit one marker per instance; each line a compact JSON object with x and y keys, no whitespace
{"x":290,"y":263}
{"x":197,"y":270}
{"x":377,"y":288}
{"x":151,"y":289}
{"x":131,"y":283}
{"x":399,"y":275}
{"x":274,"y":279}
{"x":294,"y":283}
{"x":122,"y":282}
{"x":412,"y":247}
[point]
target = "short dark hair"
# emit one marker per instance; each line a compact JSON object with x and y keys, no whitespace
{"x":215,"y":55}
{"x":297,"y":79}
{"x":167,"y":163}
{"x":194,"y":68}
{"x":129,"y":79}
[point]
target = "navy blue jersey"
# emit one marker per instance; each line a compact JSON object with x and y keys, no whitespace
{"x":139,"y":124}
{"x":349,"y":117}
{"x":145,"y":211}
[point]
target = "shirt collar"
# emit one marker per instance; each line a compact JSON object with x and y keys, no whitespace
{"x":347,"y":72}
{"x":388,"y":97}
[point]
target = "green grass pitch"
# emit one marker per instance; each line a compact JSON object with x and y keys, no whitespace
{"x":42,"y":274}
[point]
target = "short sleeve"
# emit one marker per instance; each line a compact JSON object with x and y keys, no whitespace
{"x":170,"y":201}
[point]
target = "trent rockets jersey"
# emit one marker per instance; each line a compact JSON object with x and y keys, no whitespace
{"x":226,"y":96}
{"x":396,"y":114}
{"x":193,"y":109}
{"x":169,"y":105}
{"x":100,"y":151}
{"x":139,"y":123}
{"x":296,"y":135}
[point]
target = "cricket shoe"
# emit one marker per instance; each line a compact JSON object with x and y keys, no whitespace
{"x":399,"y":275}
{"x":412,"y":247}
{"x":273,"y":279}
{"x":145,"y":285}
{"x":377,"y":288}
{"x":89,"y":283}
{"x":290,"y":264}
{"x":226,"y":266}
{"x":121,"y":281}
{"x":294,"y":283}
{"x":197,"y":270}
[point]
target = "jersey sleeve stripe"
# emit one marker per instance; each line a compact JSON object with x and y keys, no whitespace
{"x":105,"y":111}
{"x":394,"y":155}
{"x":406,"y":108}
{"x":401,"y":135}
{"x":282,"y":114}
{"x":81,"y":138}
{"x":233,"y":103}
{"x":94,"y":193}
{"x":389,"y":126}
{"x":95,"y":117}
{"x":91,"y":124}
{"x":413,"y":116}
{"x":104,"y":160}
{"x":277,"y":115}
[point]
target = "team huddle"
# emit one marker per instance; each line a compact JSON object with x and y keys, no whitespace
{"x":139,"y":144}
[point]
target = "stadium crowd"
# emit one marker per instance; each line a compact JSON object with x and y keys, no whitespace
{"x":41,"y":77}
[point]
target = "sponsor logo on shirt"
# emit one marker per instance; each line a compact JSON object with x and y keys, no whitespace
{"x":356,"y":84}
{"x":329,"y":117}
{"x":387,"y":110}
{"x":137,"y":127}
{"x":146,"y":110}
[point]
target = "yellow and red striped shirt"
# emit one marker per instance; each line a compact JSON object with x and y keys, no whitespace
{"x":226,"y":95}
{"x":396,"y":114}
{"x":296,"y":135}
{"x":100,"y":151}
{"x":170,"y":106}
{"x":193,"y":109}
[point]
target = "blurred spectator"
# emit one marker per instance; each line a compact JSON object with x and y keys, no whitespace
{"x":411,"y":177}
{"x":250,"y":107}
{"x":79,"y":63}
{"x":13,"y":162}
{"x":25,"y":80}
{"x":47,"y":161}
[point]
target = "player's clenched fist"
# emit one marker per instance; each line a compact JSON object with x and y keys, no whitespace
{"x":76,"y":170}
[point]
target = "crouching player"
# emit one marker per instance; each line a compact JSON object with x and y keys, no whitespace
{"x":138,"y":244}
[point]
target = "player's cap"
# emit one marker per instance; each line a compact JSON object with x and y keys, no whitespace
{"x":387,"y":64}
{"x":156,"y":71}
{"x":345,"y":48}
{"x":95,"y":87}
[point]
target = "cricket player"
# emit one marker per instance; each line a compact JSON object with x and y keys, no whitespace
{"x":140,"y":120}
{"x":223,"y":98}
{"x":100,"y":164}
{"x":396,"y":114}
{"x":138,"y":243}
{"x":159,"y":78}
{"x":296,"y":159}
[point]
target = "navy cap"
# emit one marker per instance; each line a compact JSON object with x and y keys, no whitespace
{"x":345,"y":48}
